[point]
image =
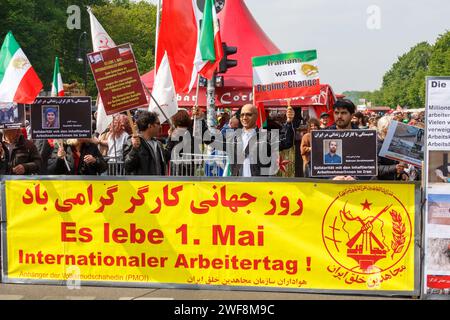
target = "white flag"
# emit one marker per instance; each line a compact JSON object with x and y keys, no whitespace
{"x":100,"y":38}
{"x":100,"y":41}
{"x":164,"y":92}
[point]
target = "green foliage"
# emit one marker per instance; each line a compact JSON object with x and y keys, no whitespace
{"x":131,"y":22}
{"x":40,"y":27}
{"x":440,"y":58}
{"x":403,"y":83}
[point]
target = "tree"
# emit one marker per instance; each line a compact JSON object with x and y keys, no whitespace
{"x":132,"y":22}
{"x":440,"y":58}
{"x":404,"y":82}
{"x":40,"y":27}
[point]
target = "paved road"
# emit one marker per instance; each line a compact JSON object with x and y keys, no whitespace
{"x":48,"y":292}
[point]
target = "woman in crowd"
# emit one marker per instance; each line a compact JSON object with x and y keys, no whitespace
{"x":77,"y":157}
{"x":305,"y":145}
{"x":111,"y":142}
{"x":180,"y":145}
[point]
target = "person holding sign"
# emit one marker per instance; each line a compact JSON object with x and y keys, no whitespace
{"x":305,"y":146}
{"x":143,"y":154}
{"x":76,"y":157}
{"x":343,"y":111}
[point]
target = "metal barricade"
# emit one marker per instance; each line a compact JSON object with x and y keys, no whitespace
{"x":115,"y":166}
{"x":198,"y":165}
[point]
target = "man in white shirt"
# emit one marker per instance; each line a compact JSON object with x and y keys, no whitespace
{"x":250,"y":145}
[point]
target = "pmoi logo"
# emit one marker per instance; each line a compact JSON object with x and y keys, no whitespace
{"x":367,"y":229}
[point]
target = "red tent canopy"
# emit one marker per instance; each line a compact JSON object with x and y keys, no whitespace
{"x":239,"y":29}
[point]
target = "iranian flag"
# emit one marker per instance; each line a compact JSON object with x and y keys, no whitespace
{"x":189,"y":48}
{"x":177,"y":38}
{"x":57,"y":84}
{"x":209,"y":49}
{"x":18,"y":81}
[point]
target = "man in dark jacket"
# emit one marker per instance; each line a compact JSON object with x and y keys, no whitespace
{"x":18,"y":155}
{"x":143,"y":153}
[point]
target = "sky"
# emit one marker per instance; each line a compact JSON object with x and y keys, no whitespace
{"x":357,"y":41}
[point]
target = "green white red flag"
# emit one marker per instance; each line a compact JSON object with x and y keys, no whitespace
{"x":57,"y":84}
{"x":180,"y":38}
{"x":18,"y":81}
{"x":209,"y":49}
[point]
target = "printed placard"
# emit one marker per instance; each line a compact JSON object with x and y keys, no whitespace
{"x":404,"y":143}
{"x":339,"y":153}
{"x":437,"y":187}
{"x":12,"y":115}
{"x":61,"y":118}
{"x":328,"y":236}
{"x":285,"y":75}
{"x":117,"y":77}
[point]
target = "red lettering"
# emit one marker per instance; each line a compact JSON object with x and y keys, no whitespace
{"x":106,"y":232}
{"x":120,"y":235}
{"x":135,"y":235}
{"x":155,"y":236}
{"x":136,"y":231}
{"x":65,"y":231}
{"x":220,"y":237}
{"x":85,"y":234}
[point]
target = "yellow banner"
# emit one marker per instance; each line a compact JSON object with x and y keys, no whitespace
{"x":303,"y":235}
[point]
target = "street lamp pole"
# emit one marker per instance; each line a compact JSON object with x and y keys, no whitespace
{"x":82,"y":56}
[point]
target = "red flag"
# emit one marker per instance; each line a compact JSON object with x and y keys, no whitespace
{"x":178,"y":37}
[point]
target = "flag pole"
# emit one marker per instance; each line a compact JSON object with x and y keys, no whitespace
{"x":194,"y":126}
{"x":157,"y":104}
{"x":158,"y":11}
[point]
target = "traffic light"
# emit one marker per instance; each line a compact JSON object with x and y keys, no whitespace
{"x":226,"y":63}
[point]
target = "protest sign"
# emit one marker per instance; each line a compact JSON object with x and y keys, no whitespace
{"x":117,"y":77}
{"x":339,"y":152}
{"x":61,"y":118}
{"x":285,"y":75}
{"x":12,"y":115}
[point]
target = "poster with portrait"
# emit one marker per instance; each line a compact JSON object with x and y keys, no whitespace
{"x":339,"y":153}
{"x":12,"y":115}
{"x":404,"y":143}
{"x":437,"y":188}
{"x":61,"y":118}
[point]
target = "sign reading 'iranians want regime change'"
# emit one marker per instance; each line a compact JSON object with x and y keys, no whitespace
{"x":285,"y":75}
{"x":295,"y":235}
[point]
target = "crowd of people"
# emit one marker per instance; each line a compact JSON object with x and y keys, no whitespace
{"x":139,"y":148}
